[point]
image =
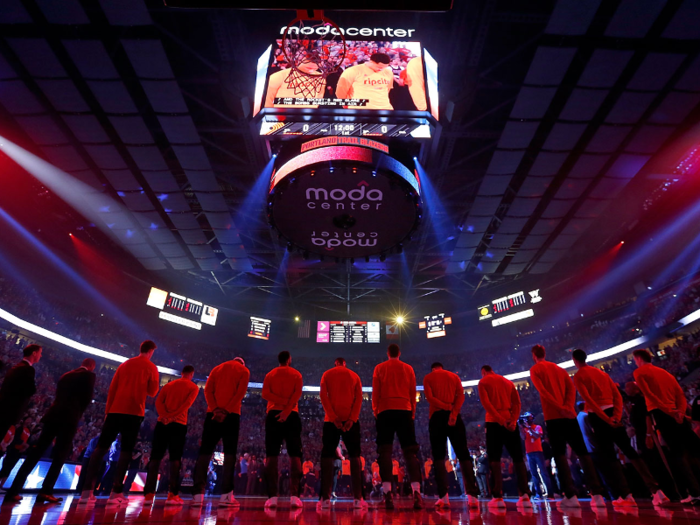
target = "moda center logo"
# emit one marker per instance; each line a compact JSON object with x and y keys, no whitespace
{"x":331,"y":240}
{"x":339,"y":199}
{"x":350,"y":31}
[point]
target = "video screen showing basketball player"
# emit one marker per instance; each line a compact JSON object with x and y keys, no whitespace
{"x":397,"y":72}
{"x":285,"y":84}
{"x":371,"y":81}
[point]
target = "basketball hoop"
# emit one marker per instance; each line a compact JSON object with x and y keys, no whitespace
{"x":314,"y":47}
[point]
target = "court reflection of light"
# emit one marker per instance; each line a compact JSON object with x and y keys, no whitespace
{"x":549,"y":517}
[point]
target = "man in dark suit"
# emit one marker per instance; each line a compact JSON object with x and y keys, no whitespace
{"x":18,"y":388}
{"x":74,"y":393}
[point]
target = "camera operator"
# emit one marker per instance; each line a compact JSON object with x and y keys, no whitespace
{"x":532,"y":435}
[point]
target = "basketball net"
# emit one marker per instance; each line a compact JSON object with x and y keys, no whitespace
{"x":314,"y":47}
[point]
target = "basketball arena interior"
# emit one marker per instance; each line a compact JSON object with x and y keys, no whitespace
{"x":341,"y":262}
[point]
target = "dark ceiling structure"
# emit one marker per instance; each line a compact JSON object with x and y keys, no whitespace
{"x":551,"y":115}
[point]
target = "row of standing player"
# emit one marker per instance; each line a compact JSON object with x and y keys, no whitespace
{"x":394,"y":406}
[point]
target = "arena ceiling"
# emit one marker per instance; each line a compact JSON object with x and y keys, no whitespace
{"x":552,"y":113}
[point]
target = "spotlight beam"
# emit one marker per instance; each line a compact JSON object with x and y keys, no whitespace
{"x":74,"y":276}
{"x":85,"y":199}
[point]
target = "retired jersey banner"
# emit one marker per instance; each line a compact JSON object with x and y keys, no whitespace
{"x":392,"y":330}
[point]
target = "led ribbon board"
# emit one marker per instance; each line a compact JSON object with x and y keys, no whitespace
{"x":344,"y":201}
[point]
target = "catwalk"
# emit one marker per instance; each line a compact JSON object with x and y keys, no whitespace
{"x":251,"y":512}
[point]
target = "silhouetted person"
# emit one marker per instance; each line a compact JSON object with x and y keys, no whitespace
{"x":134,"y":380}
{"x":501,"y":401}
{"x":282,"y":390}
{"x":17,"y":388}
{"x":445,"y":395}
{"x":341,"y":397}
{"x":170,"y":434}
{"x":558,"y":396}
{"x":394,"y":406}
{"x":667,"y":406}
{"x":604,"y":407}
{"x":74,"y":392}
{"x":225,"y":389}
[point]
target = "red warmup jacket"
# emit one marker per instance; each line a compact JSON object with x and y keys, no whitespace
{"x":555,"y":387}
{"x":282,"y":388}
{"x":226,"y":387}
{"x":660,"y":389}
{"x":443,"y":391}
{"x":134,"y":380}
{"x":393,"y":387}
{"x":341,"y":394}
{"x":175,"y":399}
{"x":598,"y":390}
{"x":499,"y":398}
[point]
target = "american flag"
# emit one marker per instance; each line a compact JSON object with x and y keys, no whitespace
{"x":304,"y":329}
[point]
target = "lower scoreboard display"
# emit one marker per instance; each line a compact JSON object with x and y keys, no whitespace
{"x":290,"y":128}
{"x":434,"y":325}
{"x":259,"y":328}
{"x":348,"y":332}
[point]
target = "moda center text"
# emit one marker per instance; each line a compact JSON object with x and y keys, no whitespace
{"x":352,"y":31}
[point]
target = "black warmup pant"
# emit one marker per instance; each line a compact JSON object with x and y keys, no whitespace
{"x":9,"y":416}
{"x":212,"y":433}
{"x":440,"y":432}
{"x":85,"y":461}
{"x":170,"y":438}
{"x":401,"y":424}
{"x":331,"y":439}
{"x":128,"y":426}
{"x":9,"y":461}
{"x":563,"y":431}
{"x":277,"y":432}
{"x":130,"y":477}
{"x":497,"y":437}
{"x":483,"y":481}
{"x":58,"y":425}
{"x":683,"y":449}
{"x":288,"y":432}
{"x":606,"y":438}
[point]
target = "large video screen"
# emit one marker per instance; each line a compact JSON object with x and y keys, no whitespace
{"x":348,"y":332}
{"x":182,"y":310}
{"x":375,"y":75}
